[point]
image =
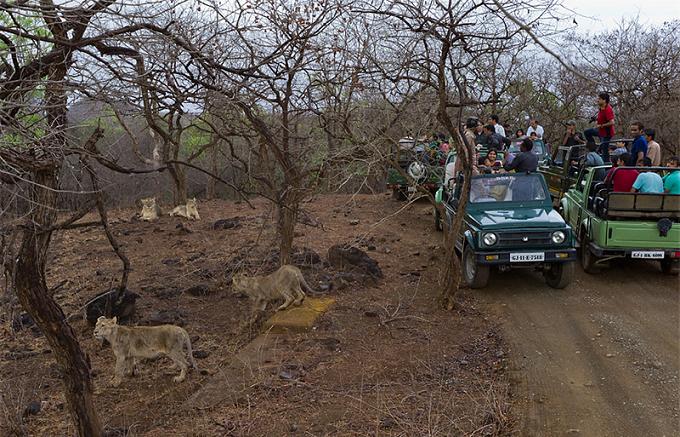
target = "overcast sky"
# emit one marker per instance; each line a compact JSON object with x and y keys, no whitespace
{"x":607,"y":13}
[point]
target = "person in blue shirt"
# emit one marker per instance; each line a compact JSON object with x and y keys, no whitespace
{"x":647,"y":181}
{"x":639,"y":148}
{"x":671,"y":182}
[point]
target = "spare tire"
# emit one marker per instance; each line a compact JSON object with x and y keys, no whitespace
{"x":417,"y":170}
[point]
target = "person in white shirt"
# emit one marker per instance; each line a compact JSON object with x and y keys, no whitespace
{"x":500,"y":130}
{"x":535,"y":127}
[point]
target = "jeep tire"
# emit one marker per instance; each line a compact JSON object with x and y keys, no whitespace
{"x":588,"y":260}
{"x":474,"y":274}
{"x":559,"y":275}
{"x":670,"y":266}
{"x":438,"y":220}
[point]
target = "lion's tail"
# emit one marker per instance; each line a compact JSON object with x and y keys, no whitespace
{"x":187,"y":341}
{"x":305,"y":286}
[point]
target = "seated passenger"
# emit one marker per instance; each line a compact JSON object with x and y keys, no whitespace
{"x":623,"y":179}
{"x":490,"y":159}
{"x":647,"y":181}
{"x":593,"y":159}
{"x":525,"y":161}
{"x":671,"y":182}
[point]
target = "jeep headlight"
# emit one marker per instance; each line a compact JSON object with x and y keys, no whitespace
{"x":558,"y":237}
{"x":489,"y":239}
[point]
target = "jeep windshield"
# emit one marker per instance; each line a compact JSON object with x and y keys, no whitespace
{"x":510,"y":187}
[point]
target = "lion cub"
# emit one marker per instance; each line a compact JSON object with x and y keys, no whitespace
{"x":286,"y":282}
{"x":130,"y":343}
{"x":150,"y":209}
{"x":190,"y":210}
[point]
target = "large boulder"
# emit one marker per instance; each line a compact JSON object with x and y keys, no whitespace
{"x":123,"y":307}
{"x":347,"y":257}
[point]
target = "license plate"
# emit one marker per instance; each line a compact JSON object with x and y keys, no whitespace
{"x":411,"y":189}
{"x":647,"y":254}
{"x":527,"y":257}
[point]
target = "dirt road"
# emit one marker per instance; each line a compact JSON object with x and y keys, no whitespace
{"x":600,"y":358}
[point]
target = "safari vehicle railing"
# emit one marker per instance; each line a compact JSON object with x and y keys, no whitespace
{"x":608,"y":204}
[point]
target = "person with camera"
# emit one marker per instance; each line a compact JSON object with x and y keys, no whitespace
{"x":604,"y":127}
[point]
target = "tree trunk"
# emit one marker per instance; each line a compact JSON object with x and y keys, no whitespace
{"x":287,"y":217}
{"x":179,"y":178}
{"x":34,"y":296}
{"x":211,"y":183}
{"x":452,"y":270}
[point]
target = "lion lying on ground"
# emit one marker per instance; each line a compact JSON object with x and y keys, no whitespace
{"x":150,"y":209}
{"x":130,"y":343}
{"x":190,"y":210}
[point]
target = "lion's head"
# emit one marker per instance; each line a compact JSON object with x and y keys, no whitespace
{"x":104,"y":327}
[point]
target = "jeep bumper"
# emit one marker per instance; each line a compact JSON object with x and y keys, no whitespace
{"x":503,"y":257}
{"x":603,"y":252}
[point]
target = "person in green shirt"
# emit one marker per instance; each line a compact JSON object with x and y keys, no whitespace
{"x":671,"y":182}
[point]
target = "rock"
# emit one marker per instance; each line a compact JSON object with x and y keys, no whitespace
{"x":388,"y":250}
{"x":354,"y":222}
{"x":183,"y":229}
{"x":170,"y":261}
{"x":32,"y":408}
{"x":609,"y":355}
{"x":200,"y":354}
{"x":330,"y":344}
{"x":199,"y":290}
{"x":305,"y":256}
{"x":21,"y":321}
{"x":415,"y":253}
{"x":353,"y":258}
{"x":167,"y":317}
{"x":387,"y":422}
{"x":166,"y":294}
{"x":227,"y":223}
{"x":370,"y":247}
{"x":370,"y":314}
{"x":123,"y":308}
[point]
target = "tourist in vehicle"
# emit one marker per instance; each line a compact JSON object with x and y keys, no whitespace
{"x":490,"y":159}
{"x":617,"y":149}
{"x":471,"y":142}
{"x":533,"y":136}
{"x":638,"y":149}
{"x":536,"y":128}
{"x":571,"y":137}
{"x":525,"y":161}
{"x":653,"y":148}
{"x":622,"y":180}
{"x":592,"y":158}
{"x":498,"y":128}
{"x":492,"y":139}
{"x":604,"y":127}
{"x":647,"y":181}
{"x":671,"y":182}
{"x":519,"y":134}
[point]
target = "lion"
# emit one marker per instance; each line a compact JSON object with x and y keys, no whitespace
{"x":150,"y":209}
{"x":190,"y":210}
{"x":130,"y":343}
{"x":286,"y":282}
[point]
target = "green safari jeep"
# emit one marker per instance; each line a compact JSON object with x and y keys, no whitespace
{"x":416,"y":168}
{"x":510,"y":223}
{"x":611,"y":225}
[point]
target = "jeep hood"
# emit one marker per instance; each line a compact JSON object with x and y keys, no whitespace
{"x":523,"y":217}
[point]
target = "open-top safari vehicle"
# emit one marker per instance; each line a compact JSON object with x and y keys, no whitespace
{"x":510,"y":223}
{"x":610,"y":225}
{"x":417,"y":164}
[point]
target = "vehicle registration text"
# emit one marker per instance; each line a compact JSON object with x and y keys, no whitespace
{"x":527,"y":257}
{"x":647,"y":254}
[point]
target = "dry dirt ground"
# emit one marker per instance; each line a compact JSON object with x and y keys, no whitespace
{"x":385,"y":360}
{"x":600,"y":358}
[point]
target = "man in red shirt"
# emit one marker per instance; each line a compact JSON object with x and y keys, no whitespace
{"x":622,"y":179}
{"x":604,"y":127}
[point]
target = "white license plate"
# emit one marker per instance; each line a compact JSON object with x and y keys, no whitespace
{"x":411,"y":189}
{"x":527,"y":257}
{"x":647,"y":254}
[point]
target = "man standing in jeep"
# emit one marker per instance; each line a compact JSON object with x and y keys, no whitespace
{"x":604,"y":127}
